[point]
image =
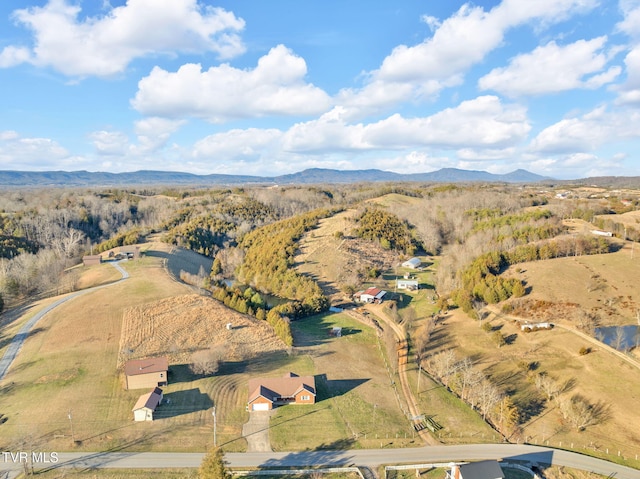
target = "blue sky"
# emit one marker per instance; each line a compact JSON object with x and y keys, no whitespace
{"x":271,"y":87}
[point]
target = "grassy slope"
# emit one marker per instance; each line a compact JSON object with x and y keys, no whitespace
{"x":599,"y":376}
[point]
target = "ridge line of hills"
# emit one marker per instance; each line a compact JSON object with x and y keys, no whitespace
{"x":10,"y":178}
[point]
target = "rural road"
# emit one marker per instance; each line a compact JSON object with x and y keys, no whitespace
{"x":371,"y":458}
{"x":17,"y":341}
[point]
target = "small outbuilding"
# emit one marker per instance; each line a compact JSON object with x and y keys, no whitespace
{"x":412,"y":263}
{"x":146,"y":405}
{"x":91,"y":259}
{"x":410,"y":284}
{"x":146,"y":373}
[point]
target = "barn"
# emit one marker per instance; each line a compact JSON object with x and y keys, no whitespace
{"x":412,"y":263}
{"x":91,"y":259}
{"x":146,"y":373}
{"x":370,"y":295}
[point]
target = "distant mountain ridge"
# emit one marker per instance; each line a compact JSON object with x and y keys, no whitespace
{"x":309,"y":176}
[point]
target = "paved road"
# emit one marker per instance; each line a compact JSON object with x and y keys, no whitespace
{"x":18,"y":340}
{"x":366,"y":458}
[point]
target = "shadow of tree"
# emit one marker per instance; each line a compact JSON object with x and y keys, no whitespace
{"x":178,"y":403}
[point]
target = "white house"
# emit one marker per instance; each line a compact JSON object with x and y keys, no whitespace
{"x":370,"y":295}
{"x":410,"y":284}
{"x":146,"y":405}
{"x":412,"y":263}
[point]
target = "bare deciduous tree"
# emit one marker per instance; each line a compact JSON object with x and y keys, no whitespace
{"x":581,"y":413}
{"x":207,"y":361}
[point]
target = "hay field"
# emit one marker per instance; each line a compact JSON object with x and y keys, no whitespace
{"x":178,"y":326}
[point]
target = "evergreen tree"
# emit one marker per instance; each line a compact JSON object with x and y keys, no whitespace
{"x":213,"y":465}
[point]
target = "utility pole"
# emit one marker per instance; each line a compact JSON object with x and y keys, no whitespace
{"x":215,"y":420}
{"x":73,"y":439}
{"x":419,"y":375}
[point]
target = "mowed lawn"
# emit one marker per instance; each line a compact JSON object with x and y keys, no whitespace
{"x":356,"y":404}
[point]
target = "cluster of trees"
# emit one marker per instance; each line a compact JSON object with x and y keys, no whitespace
{"x":12,"y":246}
{"x":387,"y":229}
{"x":269,"y":258}
{"x":481,"y":281}
{"x":461,"y":377}
{"x":129,"y":237}
{"x":576,"y":410}
{"x":251,"y":302}
{"x":247,"y":302}
{"x":216,"y":221}
{"x":45,"y":231}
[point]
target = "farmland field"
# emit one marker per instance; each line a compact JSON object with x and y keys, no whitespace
{"x":600,"y":376}
{"x":69,"y":367}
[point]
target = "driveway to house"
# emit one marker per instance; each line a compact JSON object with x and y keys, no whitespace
{"x":18,"y":340}
{"x":256,"y":431}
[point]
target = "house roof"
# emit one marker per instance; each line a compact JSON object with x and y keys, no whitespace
{"x":375,"y":292}
{"x":481,"y":470}
{"x":149,"y":400}
{"x":413,"y":262}
{"x":286,"y":386}
{"x":134,"y":367}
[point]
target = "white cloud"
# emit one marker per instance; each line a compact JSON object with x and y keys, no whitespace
{"x":30,"y":153}
{"x":275,"y":87}
{"x":238,"y":145}
{"x":631,"y":22}
{"x":432,"y":22}
{"x":458,"y":43}
{"x":483,"y":122}
{"x":11,"y":56}
{"x":105,"y":45}
{"x":629,"y":91}
{"x":109,"y":142}
{"x":553,"y":68}
{"x":588,"y":132}
{"x":153,"y":133}
{"x":472,"y":154}
{"x":413,"y":162}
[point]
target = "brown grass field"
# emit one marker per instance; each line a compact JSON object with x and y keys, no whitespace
{"x":600,"y":376}
{"x":69,"y":365}
{"x":177,"y":327}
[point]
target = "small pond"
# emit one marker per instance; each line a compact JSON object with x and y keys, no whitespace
{"x":625,"y":337}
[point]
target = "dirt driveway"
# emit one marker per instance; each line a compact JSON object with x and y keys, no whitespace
{"x":256,"y":431}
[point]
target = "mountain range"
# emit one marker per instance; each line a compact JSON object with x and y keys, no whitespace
{"x":309,"y":176}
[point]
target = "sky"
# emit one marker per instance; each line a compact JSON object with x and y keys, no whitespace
{"x":264,"y":88}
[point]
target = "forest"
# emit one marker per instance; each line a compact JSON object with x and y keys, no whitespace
{"x":252,"y":233}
